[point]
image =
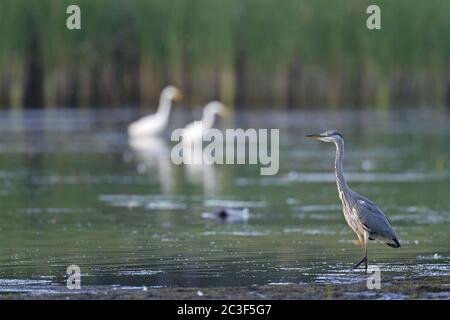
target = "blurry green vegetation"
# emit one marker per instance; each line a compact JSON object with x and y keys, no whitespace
{"x":290,"y":53}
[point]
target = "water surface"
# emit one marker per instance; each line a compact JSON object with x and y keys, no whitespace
{"x":73,"y":191}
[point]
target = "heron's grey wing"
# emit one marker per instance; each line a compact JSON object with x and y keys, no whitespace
{"x":373,"y":219}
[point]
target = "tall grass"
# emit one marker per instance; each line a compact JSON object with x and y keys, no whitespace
{"x":296,"y":53}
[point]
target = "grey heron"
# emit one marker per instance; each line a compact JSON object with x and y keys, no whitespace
{"x":361,"y":214}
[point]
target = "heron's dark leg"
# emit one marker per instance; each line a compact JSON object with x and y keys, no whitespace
{"x":359,"y":263}
{"x":363,"y":240}
{"x":366,"y":240}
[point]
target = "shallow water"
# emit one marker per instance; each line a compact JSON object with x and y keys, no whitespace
{"x":73,"y":191}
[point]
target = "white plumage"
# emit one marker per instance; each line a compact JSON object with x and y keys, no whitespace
{"x":194,"y":130}
{"x":156,"y":123}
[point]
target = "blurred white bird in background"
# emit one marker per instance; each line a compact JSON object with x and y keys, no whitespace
{"x":197,"y":171}
{"x":194,"y":130}
{"x":156,"y":123}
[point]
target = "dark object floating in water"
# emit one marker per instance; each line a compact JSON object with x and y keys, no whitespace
{"x":222,"y":214}
{"x":228,"y":215}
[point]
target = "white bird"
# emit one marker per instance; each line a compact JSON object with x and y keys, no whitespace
{"x":194,"y":130}
{"x":156,"y":123}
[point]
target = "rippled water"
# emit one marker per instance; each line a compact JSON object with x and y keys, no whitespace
{"x":73,"y":191}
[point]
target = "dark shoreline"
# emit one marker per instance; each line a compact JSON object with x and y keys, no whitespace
{"x":413,"y":288}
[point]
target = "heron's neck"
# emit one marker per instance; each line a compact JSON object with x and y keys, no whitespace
{"x":208,"y":119}
{"x":165,"y":105}
{"x":342,"y":186}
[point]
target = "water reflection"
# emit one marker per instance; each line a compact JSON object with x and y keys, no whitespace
{"x":128,"y":216}
{"x":205,"y":176}
{"x":153,"y":156}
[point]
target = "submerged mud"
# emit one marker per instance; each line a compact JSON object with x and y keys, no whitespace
{"x":393,"y":289}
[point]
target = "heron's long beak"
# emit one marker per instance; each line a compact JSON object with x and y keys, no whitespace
{"x":178,"y":96}
{"x":315,"y":135}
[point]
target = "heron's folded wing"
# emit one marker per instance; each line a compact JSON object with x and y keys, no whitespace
{"x":373,"y":218}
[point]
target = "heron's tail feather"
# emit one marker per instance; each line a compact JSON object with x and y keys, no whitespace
{"x":394,"y":244}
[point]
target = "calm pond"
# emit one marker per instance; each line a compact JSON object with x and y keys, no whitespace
{"x":73,"y":191}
